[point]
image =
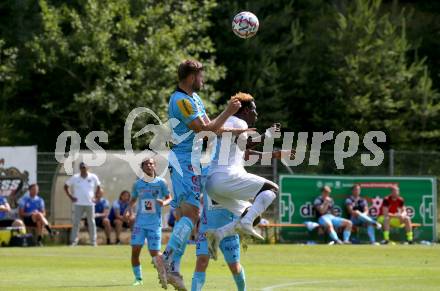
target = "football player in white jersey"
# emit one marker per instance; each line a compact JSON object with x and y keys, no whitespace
{"x":228,"y":182}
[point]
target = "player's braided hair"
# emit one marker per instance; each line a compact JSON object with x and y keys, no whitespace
{"x":243,"y":97}
{"x":245,"y":100}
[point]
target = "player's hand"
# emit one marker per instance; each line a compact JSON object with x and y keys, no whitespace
{"x":233,"y":106}
{"x":160,"y":201}
{"x":284,"y":154}
{"x":273,"y":131}
{"x":73,"y":199}
{"x":127,"y":215}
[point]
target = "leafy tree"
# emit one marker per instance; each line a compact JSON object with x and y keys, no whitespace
{"x":92,"y":62}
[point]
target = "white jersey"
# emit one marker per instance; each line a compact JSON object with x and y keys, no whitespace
{"x":228,"y":155}
{"x":84,"y":188}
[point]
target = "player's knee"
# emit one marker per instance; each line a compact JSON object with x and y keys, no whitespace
{"x":271,"y":186}
{"x":235,"y":268}
{"x":202,"y":263}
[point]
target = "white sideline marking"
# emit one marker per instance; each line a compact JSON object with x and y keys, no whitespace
{"x":299,"y":283}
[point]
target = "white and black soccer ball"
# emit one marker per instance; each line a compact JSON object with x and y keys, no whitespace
{"x":245,"y":24}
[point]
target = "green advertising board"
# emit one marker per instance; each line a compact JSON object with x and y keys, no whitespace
{"x":297,"y":193}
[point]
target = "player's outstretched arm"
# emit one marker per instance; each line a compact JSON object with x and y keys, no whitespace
{"x":271,"y":132}
{"x":200,"y":124}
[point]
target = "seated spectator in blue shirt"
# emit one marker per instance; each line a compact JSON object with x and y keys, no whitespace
{"x":116,"y":216}
{"x":33,"y":212}
{"x":6,"y":217}
{"x":102,"y":210}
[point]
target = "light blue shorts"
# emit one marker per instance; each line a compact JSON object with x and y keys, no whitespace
{"x":186,"y":187}
{"x":139,"y":234}
{"x":330,"y":219}
{"x":230,"y":247}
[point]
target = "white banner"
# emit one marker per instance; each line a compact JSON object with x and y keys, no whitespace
{"x":18,"y":168}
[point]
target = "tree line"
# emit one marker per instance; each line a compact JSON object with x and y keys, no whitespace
{"x":322,"y":65}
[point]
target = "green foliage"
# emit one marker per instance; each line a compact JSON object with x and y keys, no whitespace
{"x":8,"y":80}
{"x":332,"y":65}
{"x":92,"y":62}
{"x":315,"y":65}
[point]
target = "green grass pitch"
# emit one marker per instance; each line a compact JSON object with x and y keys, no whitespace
{"x":268,"y":267}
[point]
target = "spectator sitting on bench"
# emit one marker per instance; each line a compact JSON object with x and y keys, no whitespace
{"x":33,"y":212}
{"x":102,"y":210}
{"x":393,"y":214}
{"x":6,"y":217}
{"x":357,"y":208}
{"x":116,"y":216}
{"x":324,"y":210}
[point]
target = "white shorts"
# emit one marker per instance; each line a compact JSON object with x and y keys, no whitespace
{"x":233,"y":190}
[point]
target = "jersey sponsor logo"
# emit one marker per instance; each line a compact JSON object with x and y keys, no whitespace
{"x":155,"y":191}
{"x":185,"y":107}
{"x":148,"y":206}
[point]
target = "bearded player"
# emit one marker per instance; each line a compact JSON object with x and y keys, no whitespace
{"x":187,"y":107}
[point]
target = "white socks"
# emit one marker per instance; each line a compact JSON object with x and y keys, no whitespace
{"x":261,"y":203}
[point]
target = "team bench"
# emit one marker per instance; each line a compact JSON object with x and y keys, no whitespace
{"x":276,"y":226}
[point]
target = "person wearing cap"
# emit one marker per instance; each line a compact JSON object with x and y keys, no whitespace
{"x":324,"y":206}
{"x":85,"y":185}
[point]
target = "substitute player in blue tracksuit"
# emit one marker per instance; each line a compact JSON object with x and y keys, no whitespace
{"x":152,"y":193}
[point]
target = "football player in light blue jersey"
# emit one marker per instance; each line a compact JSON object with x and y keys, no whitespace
{"x":153,"y":194}
{"x":187,"y":108}
{"x":215,"y":216}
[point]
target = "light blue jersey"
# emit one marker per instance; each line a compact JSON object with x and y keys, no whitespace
{"x":186,"y":181}
{"x":149,"y":211}
{"x":29,"y":204}
{"x":184,"y":108}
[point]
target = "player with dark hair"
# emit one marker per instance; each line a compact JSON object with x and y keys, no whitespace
{"x":153,"y":194}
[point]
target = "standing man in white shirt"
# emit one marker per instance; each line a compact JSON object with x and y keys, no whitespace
{"x":85,"y":186}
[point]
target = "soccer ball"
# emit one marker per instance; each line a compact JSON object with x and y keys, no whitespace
{"x":245,"y":24}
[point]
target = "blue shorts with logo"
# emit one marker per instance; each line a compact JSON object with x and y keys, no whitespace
{"x":153,"y":236}
{"x":186,"y":186}
{"x":230,"y":247}
{"x":330,"y":219}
